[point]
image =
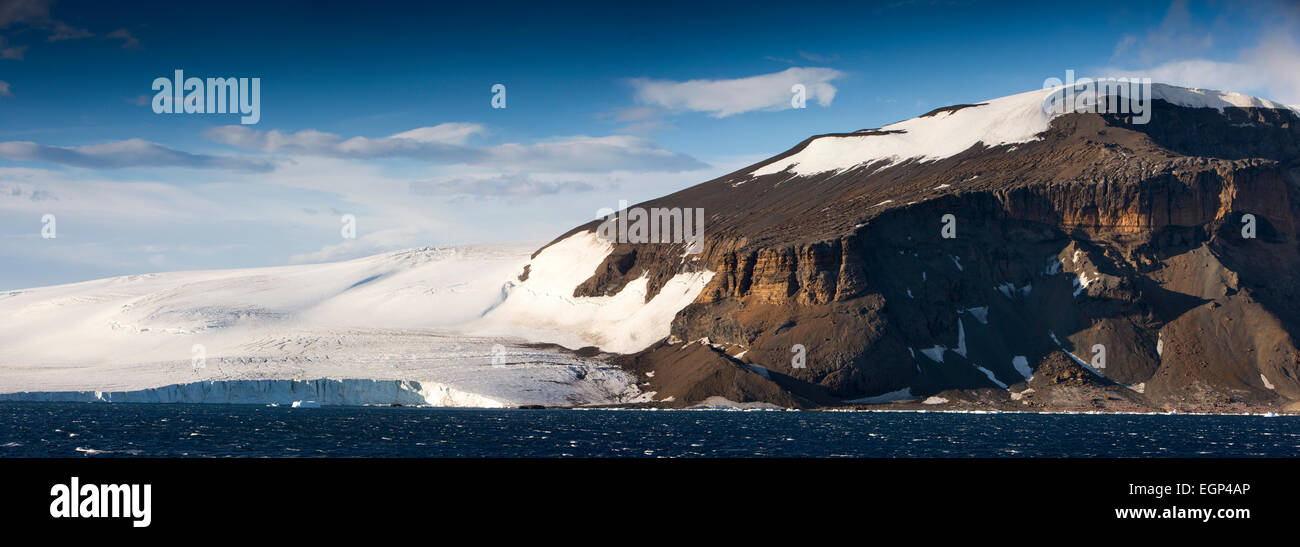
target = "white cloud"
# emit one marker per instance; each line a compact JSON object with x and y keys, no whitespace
{"x":722,"y":98}
{"x":445,"y":143}
{"x":36,"y":191}
{"x":517,"y":207}
{"x":223,"y":219}
{"x":124,"y":154}
{"x":450,"y":133}
{"x":1270,"y":70}
{"x":4,"y":90}
{"x":1181,"y":52}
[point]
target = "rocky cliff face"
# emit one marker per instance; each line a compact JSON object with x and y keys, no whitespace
{"x":1160,"y":258}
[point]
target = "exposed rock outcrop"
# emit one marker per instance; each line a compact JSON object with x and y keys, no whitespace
{"x":1102,"y":242}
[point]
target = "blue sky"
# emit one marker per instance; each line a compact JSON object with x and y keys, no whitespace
{"x":382,"y":110}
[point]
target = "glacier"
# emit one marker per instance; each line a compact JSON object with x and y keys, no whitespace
{"x":436,"y":326}
{"x":355,"y":392}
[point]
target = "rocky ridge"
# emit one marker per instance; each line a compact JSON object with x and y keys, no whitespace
{"x":1098,"y":237}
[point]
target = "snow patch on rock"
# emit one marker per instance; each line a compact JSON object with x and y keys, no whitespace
{"x":543,"y":308}
{"x":1021,"y":364}
{"x":1003,"y":121}
{"x":904,"y":394}
{"x":1209,"y":98}
{"x":992,"y":378}
{"x":1017,"y":118}
{"x":936,"y":353}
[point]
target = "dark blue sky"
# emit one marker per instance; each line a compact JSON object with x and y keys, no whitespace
{"x":599,"y":108}
{"x":376,"y":68}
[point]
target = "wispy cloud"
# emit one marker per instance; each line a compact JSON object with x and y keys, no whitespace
{"x":60,"y":31}
{"x":1182,"y":51}
{"x":818,"y":58}
{"x":125,"y":154}
{"x":14,"y":53}
{"x":638,"y":120}
{"x":443,"y":142}
{"x":128,"y":40}
{"x":26,"y":191}
{"x":446,"y":143}
{"x":594,"y":154}
{"x":500,"y":186}
{"x":4,"y":90}
{"x":721,"y":98}
{"x":293,"y":213}
{"x":36,"y":14}
{"x":635,"y":114}
{"x":32,"y":12}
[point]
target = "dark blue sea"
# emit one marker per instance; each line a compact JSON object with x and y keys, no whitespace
{"x":174,"y":430}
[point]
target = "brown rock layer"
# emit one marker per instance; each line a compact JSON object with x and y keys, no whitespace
{"x":1100,"y":234}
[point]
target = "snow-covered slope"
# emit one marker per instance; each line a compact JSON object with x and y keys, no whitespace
{"x":397,"y":327}
{"x":543,"y":307}
{"x":1007,"y":120}
{"x":1209,"y":98}
{"x":1000,"y":121}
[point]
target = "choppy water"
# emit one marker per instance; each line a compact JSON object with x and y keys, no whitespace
{"x":97,"y":430}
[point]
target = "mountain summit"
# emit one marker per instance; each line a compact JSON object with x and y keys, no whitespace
{"x":990,"y":254}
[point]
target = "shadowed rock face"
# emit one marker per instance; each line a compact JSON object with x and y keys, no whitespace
{"x":1100,"y":237}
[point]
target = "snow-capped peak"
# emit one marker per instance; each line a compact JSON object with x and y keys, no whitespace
{"x":1209,"y":98}
{"x":950,"y":131}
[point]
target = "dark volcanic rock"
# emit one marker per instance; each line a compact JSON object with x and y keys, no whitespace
{"x":1100,"y":237}
{"x":684,"y":374}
